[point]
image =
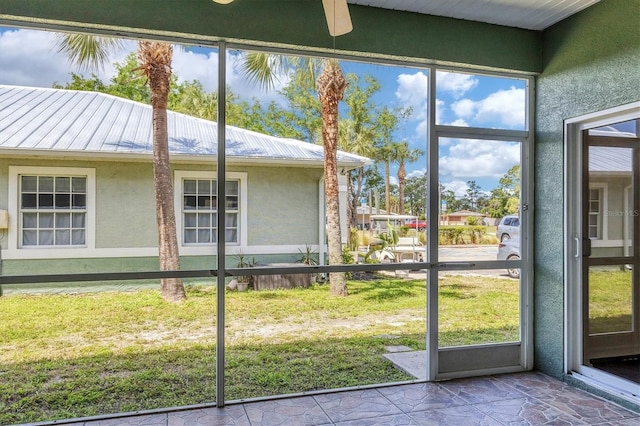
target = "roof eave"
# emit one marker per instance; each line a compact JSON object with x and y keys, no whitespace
{"x":182,"y":158}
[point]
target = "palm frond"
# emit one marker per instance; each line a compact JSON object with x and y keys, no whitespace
{"x":88,"y":51}
{"x":265,"y":69}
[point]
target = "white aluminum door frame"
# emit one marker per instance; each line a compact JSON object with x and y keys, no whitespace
{"x":573,"y":339}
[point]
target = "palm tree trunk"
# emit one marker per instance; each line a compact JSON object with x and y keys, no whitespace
{"x":402,"y":175}
{"x":352,"y":202}
{"x":331,"y":85}
{"x":155,"y":60}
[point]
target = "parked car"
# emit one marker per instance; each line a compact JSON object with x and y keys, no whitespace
{"x":420,"y":225}
{"x":510,"y":250}
{"x":508,"y":228}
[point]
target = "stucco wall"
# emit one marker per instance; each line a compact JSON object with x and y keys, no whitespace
{"x":283,"y":205}
{"x":282,"y":209}
{"x":590,"y":63}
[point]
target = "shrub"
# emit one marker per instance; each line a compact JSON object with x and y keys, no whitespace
{"x":364,"y":238}
{"x":473,"y":221}
{"x":460,"y":234}
{"x":450,"y":235}
{"x":353,"y":239}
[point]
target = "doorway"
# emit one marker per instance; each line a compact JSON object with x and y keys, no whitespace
{"x":603,"y":232}
{"x":610,"y":224}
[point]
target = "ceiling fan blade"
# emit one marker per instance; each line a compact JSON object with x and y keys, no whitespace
{"x":338,"y":18}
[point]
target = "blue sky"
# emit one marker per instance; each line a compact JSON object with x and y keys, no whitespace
{"x":29,"y":58}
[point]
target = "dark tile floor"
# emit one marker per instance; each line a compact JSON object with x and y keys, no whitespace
{"x":514,"y":399}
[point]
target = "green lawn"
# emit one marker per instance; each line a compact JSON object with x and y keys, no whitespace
{"x":78,"y":355}
{"x":610,"y":301}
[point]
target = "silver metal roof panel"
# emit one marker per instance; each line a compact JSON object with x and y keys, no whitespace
{"x":56,"y":120}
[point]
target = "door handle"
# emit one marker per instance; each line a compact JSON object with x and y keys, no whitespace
{"x":576,"y":239}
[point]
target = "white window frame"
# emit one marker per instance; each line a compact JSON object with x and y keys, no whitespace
{"x":603,"y":234}
{"x":13,"y":206}
{"x":203,"y":249}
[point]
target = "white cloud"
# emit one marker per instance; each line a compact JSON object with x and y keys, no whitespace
{"x":505,"y":108}
{"x":29,"y":58}
{"x":440,"y":106}
{"x":470,"y":159}
{"x":412,"y":92}
{"x":459,"y":122}
{"x":456,"y":84}
{"x":203,"y":67}
{"x":416,"y":173}
{"x":464,"y":108}
{"x":458,"y":187}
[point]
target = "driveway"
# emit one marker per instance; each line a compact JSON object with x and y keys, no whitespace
{"x":468,"y":253}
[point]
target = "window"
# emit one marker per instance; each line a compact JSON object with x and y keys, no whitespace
{"x":198,"y":210}
{"x":53,"y":210}
{"x":595,"y":213}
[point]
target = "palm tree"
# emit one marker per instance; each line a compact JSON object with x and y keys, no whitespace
{"x":357,"y":140}
{"x":401,"y":154}
{"x":330,"y":86}
{"x":386,"y":123}
{"x":155,"y":64}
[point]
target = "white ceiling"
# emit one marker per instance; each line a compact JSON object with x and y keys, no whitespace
{"x":529,"y":14}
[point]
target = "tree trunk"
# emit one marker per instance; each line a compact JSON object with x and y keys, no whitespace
{"x":402,"y":175}
{"x":331,"y":86}
{"x":155,"y":61}
{"x":387,"y":190}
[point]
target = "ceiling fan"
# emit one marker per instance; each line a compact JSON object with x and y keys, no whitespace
{"x":336,"y":12}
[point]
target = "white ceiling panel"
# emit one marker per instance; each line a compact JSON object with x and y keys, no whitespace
{"x":529,"y":14}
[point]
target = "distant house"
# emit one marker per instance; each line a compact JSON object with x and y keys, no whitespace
{"x":610,"y":223}
{"x":364,"y":213}
{"x":76,"y":182}
{"x":462,"y":216}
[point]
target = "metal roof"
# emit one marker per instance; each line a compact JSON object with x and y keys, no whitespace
{"x":612,"y":160}
{"x":529,"y":14}
{"x":68,"y":121}
{"x":609,"y":160}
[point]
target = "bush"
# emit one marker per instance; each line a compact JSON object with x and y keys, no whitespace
{"x":364,"y":238}
{"x":473,"y":221}
{"x":353,"y":239}
{"x":450,"y":235}
{"x":453,"y":235}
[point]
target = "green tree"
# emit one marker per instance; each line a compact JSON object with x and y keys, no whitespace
{"x":505,"y":199}
{"x":473,"y":195}
{"x":449,"y":197}
{"x":415,"y":192}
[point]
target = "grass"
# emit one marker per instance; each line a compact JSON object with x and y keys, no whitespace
{"x":610,"y":301}
{"x":79,"y":355}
